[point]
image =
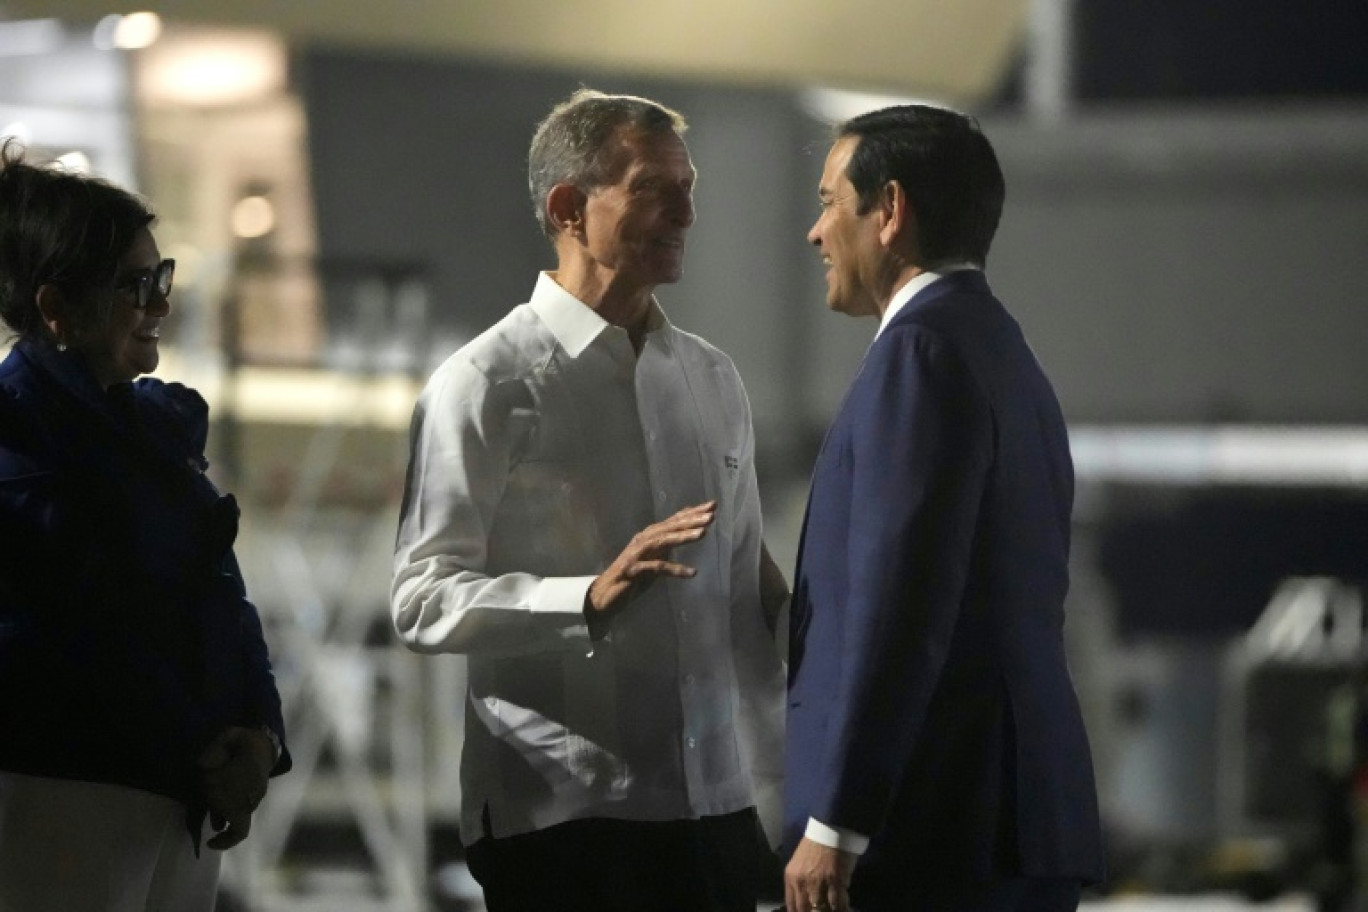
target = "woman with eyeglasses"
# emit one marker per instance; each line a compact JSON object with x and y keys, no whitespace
{"x":139,"y":718}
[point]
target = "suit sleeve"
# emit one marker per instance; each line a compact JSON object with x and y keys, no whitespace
{"x":921,"y":448}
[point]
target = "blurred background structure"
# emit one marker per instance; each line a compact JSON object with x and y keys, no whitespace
{"x":343,"y":187}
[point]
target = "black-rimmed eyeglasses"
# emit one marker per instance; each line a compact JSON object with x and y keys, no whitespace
{"x":143,"y":281}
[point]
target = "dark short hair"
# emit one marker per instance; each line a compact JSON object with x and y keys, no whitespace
{"x":574,"y":144}
{"x":62,"y":228}
{"x":945,"y":165}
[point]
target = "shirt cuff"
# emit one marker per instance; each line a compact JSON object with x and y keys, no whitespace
{"x":561,"y":594}
{"x":836,"y":837}
{"x":565,"y":595}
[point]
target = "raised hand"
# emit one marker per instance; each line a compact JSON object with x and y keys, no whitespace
{"x":647,"y":557}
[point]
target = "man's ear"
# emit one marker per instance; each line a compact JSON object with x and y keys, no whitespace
{"x":565,"y":209}
{"x":897,"y":218}
{"x":52,"y":308}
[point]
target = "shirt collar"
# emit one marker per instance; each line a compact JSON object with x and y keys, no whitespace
{"x":916,"y":284}
{"x":575,"y":324}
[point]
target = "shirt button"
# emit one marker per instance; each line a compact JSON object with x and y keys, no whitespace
{"x":660,"y":496}
{"x":689,"y":679}
{"x":692,"y":742}
{"x":650,"y":435}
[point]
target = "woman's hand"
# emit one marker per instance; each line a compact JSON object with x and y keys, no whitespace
{"x":236,"y":767}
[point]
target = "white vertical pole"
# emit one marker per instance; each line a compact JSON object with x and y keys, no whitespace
{"x":1049,"y":60}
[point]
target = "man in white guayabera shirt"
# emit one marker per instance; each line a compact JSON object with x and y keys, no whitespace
{"x":581,"y":521}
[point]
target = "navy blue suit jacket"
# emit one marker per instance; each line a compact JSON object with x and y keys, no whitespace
{"x":930,"y":703}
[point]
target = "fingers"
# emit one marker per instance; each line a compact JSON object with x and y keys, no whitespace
{"x":686,"y":513}
{"x":230,"y":796}
{"x":797,"y":899}
{"x":229,"y":800}
{"x":689,"y":519}
{"x":795,"y":891}
{"x":660,"y":568}
{"x":816,"y":879}
{"x":236,"y":786}
{"x":688,"y":525}
{"x":646,"y":556}
{"x":827,"y":896}
{"x":699,"y":516}
{"x":655,"y":546}
{"x":812,"y":898}
{"x":233,"y":832}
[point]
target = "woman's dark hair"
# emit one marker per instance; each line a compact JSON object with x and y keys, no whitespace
{"x":61,"y":228}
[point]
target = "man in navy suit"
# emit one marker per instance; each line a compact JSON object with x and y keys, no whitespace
{"x":936,"y":757}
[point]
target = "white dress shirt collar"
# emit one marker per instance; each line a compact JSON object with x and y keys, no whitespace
{"x":574,"y":323}
{"x":916,"y":284}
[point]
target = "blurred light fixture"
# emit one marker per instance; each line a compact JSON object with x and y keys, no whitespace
{"x":1219,"y":454}
{"x":837,"y":105}
{"x":137,"y":30}
{"x":128,"y":32}
{"x":30,"y":36}
{"x":212,"y":67}
{"x":253,"y":217}
{"x":76,"y":161}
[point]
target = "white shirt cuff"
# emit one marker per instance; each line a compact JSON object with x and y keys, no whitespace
{"x":561,"y":594}
{"x":836,"y":837}
{"x":564,"y":595}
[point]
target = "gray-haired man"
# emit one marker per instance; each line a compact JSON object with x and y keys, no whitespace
{"x":581,"y":520}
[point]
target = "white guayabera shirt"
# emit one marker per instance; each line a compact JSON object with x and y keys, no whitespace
{"x":538,"y":451}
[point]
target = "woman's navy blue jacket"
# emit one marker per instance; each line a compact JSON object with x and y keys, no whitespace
{"x":126,"y":638}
